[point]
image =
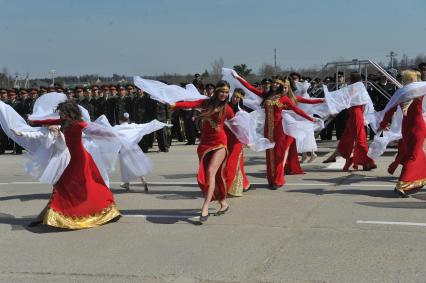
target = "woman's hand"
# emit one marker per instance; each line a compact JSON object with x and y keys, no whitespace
{"x":54,"y":129}
{"x":16,"y":132}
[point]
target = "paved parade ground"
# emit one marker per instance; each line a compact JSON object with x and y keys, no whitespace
{"x":324,"y":226}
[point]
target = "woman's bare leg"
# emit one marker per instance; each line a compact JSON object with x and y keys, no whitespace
{"x":217,"y":158}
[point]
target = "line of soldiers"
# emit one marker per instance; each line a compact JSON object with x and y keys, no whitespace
{"x":112,"y":101}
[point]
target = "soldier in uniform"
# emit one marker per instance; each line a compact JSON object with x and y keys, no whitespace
{"x":123,"y":104}
{"x":422,"y":70}
{"x":111,"y":101}
{"x":163,"y":135}
{"x":101,"y":104}
{"x":143,"y":109}
{"x":86,"y":102}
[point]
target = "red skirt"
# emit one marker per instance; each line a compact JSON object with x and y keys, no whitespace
{"x":236,"y":179}
{"x":80,"y":199}
{"x":204,"y":156}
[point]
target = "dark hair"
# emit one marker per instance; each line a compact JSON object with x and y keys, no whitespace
{"x":213,"y":103}
{"x":240,"y":91}
{"x":70,"y":110}
{"x":355,"y":77}
{"x":296,"y":74}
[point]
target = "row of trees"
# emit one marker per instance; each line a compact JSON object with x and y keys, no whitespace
{"x":266,"y":70}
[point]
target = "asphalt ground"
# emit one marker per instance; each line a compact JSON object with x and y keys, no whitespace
{"x":323,"y":226}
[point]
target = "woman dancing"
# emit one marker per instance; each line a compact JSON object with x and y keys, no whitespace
{"x":411,"y":154}
{"x":212,"y":150}
{"x":274,"y":102}
{"x":80,"y":199}
{"x":237,"y":181}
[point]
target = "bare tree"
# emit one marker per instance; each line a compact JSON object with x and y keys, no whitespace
{"x":217,"y":66}
{"x":268,"y":70}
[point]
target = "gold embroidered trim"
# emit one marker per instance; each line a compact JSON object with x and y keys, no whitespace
{"x":270,"y":124}
{"x":406,"y":186}
{"x":236,"y":188}
{"x":57,"y":219}
{"x":274,"y":102}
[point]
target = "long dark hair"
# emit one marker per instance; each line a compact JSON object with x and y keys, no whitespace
{"x":272,"y":92}
{"x":70,"y":111}
{"x":212,"y":104}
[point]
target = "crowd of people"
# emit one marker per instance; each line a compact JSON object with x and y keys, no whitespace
{"x":221,"y":158}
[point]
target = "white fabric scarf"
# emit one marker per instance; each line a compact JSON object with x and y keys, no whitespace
{"x":168,"y":93}
{"x":250,"y":100}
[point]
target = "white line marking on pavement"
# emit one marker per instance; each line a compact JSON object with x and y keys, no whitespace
{"x":160,"y":216}
{"x":392,"y":223}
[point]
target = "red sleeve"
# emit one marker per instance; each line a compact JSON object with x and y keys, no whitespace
{"x":250,"y":87}
{"x":47,"y":122}
{"x":188,"y":104}
{"x":285,"y":100}
{"x":229,"y":113}
{"x":310,"y":101}
{"x":388,"y":117}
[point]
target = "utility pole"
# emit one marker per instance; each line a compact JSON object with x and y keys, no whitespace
{"x":391,"y":55}
{"x":52,"y":73}
{"x":275,"y":61}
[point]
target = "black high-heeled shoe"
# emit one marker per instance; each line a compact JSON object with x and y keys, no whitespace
{"x":203,"y":218}
{"x":400,"y":193}
{"x":329,"y":160}
{"x":221,"y":212}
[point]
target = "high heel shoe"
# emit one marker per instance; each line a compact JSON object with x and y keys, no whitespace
{"x":304,"y":157}
{"x":204,"y":218}
{"x":313,"y":157}
{"x":369,"y":167}
{"x":329,"y":160}
{"x":400,"y":193}
{"x":221,"y":212}
{"x":348,"y":164}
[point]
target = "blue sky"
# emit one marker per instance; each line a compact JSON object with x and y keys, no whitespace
{"x":157,"y":36}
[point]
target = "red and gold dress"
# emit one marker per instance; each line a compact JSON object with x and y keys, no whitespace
{"x":411,"y":154}
{"x":273,"y":131}
{"x":236,"y":178}
{"x":354,"y":138}
{"x":213,"y":137}
{"x":80,"y":199}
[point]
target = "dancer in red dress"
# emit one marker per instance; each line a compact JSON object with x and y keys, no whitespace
{"x":411,"y":154}
{"x":354,"y":138}
{"x":80,"y":199}
{"x":212,"y":150}
{"x":236,"y":179}
{"x":274,"y":103}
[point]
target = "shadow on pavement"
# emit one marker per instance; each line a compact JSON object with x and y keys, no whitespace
{"x":371,"y":193}
{"x":160,"y":216}
{"x":27,"y":197}
{"x":354,"y":179}
{"x":180,"y":176}
{"x":19,"y":224}
{"x":164,"y":194}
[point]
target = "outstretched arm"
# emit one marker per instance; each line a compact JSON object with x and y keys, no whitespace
{"x":249,"y":86}
{"x":301,"y":99}
{"x":286,"y":101}
{"x":187,"y":104}
{"x":47,"y":122}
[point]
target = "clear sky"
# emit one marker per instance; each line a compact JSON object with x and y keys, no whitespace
{"x":185,"y":36}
